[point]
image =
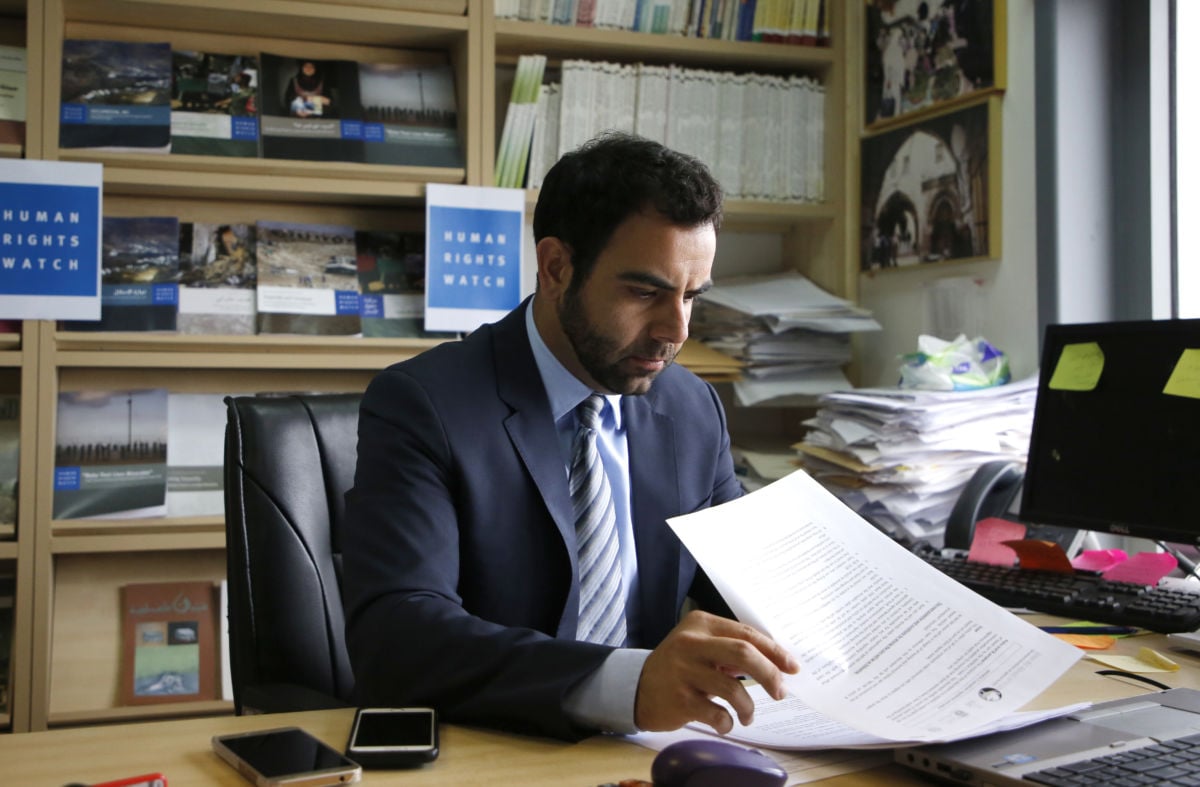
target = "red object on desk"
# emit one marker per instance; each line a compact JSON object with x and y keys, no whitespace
{"x":145,"y":780}
{"x":1041,"y":555}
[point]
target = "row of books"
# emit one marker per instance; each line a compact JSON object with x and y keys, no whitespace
{"x":146,"y":96}
{"x":803,"y":22}
{"x":762,"y":135}
{"x":161,"y":274}
{"x":13,"y":79}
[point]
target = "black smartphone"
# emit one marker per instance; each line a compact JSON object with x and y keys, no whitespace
{"x":285,"y":757}
{"x":393,"y":737}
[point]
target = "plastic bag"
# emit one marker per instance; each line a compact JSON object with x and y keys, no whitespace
{"x":959,"y":365}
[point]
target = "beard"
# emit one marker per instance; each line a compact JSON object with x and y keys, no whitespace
{"x":600,"y":355}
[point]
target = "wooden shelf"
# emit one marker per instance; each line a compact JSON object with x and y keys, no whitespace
{"x":8,"y":549}
{"x":216,"y":177}
{"x":11,"y":150}
{"x":387,"y":25}
{"x":563,"y":41}
{"x":142,"y":712}
{"x":176,"y":351}
{"x":124,"y":542}
{"x":139,"y":527}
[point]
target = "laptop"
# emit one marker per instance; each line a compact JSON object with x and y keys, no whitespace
{"x":1151,"y":739}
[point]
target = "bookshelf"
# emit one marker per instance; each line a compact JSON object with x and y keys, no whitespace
{"x":66,"y":653}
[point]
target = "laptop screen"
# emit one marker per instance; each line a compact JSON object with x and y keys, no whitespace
{"x":1116,"y":430}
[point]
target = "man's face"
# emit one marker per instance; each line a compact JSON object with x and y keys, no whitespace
{"x":628,"y":320}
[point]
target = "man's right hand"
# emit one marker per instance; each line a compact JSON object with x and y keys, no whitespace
{"x":701,"y":659}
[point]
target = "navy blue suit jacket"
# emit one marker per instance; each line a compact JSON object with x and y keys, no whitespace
{"x":460,"y":580}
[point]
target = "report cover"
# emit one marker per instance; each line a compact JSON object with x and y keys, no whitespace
{"x":391,"y":275}
{"x":139,"y":271}
{"x":169,"y":634}
{"x":214,"y":104}
{"x":116,"y":95}
{"x":307,"y":279}
{"x":217,"y":278}
{"x":411,"y":114}
{"x":13,"y":79}
{"x":10,"y":439}
{"x":110,"y":454}
{"x":310,"y":109}
{"x":195,"y":454}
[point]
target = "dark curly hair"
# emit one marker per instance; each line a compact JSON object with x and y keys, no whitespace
{"x":592,"y":189}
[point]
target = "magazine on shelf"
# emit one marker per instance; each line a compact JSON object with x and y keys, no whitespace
{"x":195,"y":454}
{"x":13,"y":81}
{"x":116,"y":95}
{"x":217,"y":278}
{"x":214,"y":104}
{"x":391,"y":275}
{"x":139,"y":262}
{"x":170,"y":642}
{"x":307,"y":279}
{"x":309,"y":109}
{"x":110,"y":454}
{"x":411,"y":114}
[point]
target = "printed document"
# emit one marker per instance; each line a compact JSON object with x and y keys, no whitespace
{"x":888,"y":645}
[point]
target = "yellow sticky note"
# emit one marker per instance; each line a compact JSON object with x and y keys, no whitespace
{"x":1079,"y":367}
{"x":1185,"y":378}
{"x":1147,"y":660}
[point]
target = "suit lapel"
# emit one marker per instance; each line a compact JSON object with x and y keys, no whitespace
{"x":530,"y":426}
{"x":654,"y":496}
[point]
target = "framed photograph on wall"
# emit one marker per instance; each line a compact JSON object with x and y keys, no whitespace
{"x":931,"y":189}
{"x":921,"y":54}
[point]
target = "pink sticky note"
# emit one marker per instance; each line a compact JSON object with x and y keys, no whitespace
{"x":987,"y":545}
{"x":1145,"y":568}
{"x":1099,"y":559}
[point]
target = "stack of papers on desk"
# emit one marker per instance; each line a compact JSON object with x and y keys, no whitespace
{"x":900,"y":457}
{"x":792,"y":336}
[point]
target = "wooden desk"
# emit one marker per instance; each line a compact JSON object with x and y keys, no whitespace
{"x":181,"y":750}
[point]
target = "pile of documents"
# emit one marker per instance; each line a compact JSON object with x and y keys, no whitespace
{"x":900,"y":457}
{"x":791,"y":336}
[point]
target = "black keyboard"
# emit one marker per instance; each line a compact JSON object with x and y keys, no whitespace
{"x":1081,"y":596}
{"x":1171,"y":762}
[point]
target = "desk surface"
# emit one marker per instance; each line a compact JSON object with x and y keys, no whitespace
{"x":181,"y":750}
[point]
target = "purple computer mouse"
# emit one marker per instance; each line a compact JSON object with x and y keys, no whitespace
{"x":703,"y":763}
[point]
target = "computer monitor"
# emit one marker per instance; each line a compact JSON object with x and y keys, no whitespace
{"x":1115,"y":446}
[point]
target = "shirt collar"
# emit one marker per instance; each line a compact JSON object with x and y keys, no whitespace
{"x":563,"y":389}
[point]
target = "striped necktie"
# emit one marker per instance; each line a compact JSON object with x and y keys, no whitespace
{"x":601,"y":600}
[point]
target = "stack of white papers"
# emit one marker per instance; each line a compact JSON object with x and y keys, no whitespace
{"x":900,"y":457}
{"x":792,"y":336}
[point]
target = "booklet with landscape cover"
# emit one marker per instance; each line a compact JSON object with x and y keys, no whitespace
{"x":411,"y":114}
{"x":217,"y":278}
{"x":110,"y":454}
{"x":310,"y":109}
{"x":139,"y":262}
{"x":307,"y":279}
{"x":170,"y":642}
{"x":116,"y":95}
{"x":214,"y":106}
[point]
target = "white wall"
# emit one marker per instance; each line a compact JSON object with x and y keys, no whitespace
{"x":996,"y":299}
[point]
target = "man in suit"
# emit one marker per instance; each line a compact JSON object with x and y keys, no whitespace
{"x":461,"y":562}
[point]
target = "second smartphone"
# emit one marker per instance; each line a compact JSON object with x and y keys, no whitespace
{"x":393,"y":737}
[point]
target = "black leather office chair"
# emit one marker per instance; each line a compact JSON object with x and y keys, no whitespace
{"x":288,"y":463}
